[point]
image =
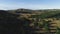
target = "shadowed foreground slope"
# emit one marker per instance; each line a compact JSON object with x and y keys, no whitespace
{"x":9,"y":24}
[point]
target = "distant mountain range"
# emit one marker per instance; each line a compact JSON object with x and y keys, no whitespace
{"x":43,"y":13}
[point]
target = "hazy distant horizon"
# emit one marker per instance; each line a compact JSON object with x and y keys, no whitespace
{"x":29,"y":4}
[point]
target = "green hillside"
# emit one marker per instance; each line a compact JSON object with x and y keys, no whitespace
{"x":11,"y":21}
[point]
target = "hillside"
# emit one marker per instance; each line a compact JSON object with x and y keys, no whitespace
{"x":10,"y":24}
{"x":25,"y":21}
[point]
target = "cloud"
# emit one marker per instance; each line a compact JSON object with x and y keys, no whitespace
{"x":27,"y":6}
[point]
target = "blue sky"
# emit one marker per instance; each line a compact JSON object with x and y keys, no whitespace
{"x":29,"y":4}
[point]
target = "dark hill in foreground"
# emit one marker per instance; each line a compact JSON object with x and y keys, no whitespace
{"x":9,"y":24}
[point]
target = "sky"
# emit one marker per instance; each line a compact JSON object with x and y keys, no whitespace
{"x":29,"y":4}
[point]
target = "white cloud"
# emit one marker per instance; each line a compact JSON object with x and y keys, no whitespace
{"x":27,"y":6}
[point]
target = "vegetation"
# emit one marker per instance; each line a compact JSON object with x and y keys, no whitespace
{"x":13,"y":22}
